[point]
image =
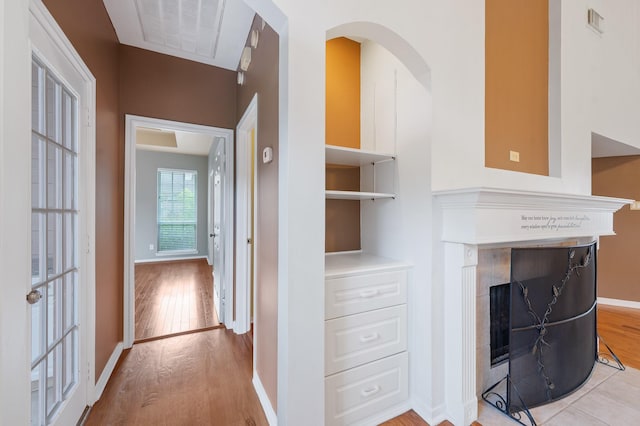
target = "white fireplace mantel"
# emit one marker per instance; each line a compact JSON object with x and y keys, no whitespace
{"x":474,"y":217}
{"x":489,"y":216}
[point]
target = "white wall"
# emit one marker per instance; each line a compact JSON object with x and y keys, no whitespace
{"x":449,"y":37}
{"x":396,"y":116}
{"x":15,"y":202}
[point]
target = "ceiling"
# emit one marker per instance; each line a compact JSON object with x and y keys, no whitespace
{"x":173,"y":141}
{"x":212,"y":32}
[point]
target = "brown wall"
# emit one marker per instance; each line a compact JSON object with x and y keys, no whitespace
{"x":516,"y":84}
{"x":262,"y":78}
{"x":95,"y":40}
{"x":139,"y":82}
{"x":160,"y":86}
{"x":342,"y":128}
{"x":618,"y":266}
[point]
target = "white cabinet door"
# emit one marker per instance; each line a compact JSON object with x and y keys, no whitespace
{"x":357,"y":339}
{"x":360,"y":293}
{"x":364,"y":391}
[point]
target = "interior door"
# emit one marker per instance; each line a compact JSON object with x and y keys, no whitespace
{"x":210,"y":208}
{"x":58,"y":267}
{"x":219,"y":274}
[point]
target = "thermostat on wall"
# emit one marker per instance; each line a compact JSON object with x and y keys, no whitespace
{"x":267,"y":155}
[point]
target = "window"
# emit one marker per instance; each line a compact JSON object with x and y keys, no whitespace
{"x":177,"y":210}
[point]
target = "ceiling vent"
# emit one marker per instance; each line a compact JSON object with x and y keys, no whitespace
{"x":192,"y":26}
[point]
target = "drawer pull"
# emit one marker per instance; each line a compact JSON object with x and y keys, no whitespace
{"x":370,"y":391}
{"x":369,"y":337}
{"x":365,"y":294}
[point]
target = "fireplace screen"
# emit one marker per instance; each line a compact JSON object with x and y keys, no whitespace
{"x":552,"y":339}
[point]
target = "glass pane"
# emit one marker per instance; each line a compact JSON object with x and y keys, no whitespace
{"x":53,"y":109}
{"x":69,"y":366}
{"x":70,"y":232}
{"x":37,"y":248}
{"x":37,"y":328}
{"x":37,"y":172}
{"x":70,"y":308}
{"x":37,"y":98}
{"x":54,"y":176}
{"x":54,"y":394}
{"x":54,"y":312}
{"x":37,"y":395}
{"x":54,"y":244}
{"x":70,"y":183}
{"x":67,"y":120}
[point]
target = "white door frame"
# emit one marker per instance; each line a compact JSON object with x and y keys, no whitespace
{"x":248,"y":121}
{"x":132,"y":122}
{"x":38,"y":32}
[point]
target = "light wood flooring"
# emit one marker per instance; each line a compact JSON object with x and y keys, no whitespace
{"x":620,"y":328}
{"x":173,"y":297}
{"x":205,"y":378}
{"x":195,"y":379}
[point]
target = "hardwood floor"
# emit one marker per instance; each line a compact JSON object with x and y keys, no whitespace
{"x":196,"y":379}
{"x":205,"y":378}
{"x":173,"y":297}
{"x":620,"y":328}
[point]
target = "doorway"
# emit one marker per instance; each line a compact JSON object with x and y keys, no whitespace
{"x":169,"y":282}
{"x":246,"y":218}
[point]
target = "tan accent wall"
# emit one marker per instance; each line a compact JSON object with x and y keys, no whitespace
{"x":342,"y":115}
{"x":618,"y":266}
{"x":342,"y":128}
{"x":262,"y":78}
{"x":89,"y":29}
{"x":517,"y":84}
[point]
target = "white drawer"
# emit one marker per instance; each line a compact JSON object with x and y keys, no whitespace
{"x":357,"y":339}
{"x":361,"y":392}
{"x":360,"y":293}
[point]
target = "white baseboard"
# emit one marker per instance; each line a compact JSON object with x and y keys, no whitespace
{"x":385,"y":415}
{"x":272,"y":418}
{"x":617,"y":302}
{"x":433,"y":416}
{"x":169,"y":259}
{"x":108,"y":370}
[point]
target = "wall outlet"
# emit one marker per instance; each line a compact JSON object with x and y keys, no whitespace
{"x":514,"y":156}
{"x":635,"y":205}
{"x":151,"y":247}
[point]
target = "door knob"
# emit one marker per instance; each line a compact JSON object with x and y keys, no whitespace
{"x":33,"y":297}
{"x":211,"y":235}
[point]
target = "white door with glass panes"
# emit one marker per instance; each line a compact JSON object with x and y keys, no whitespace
{"x":61,"y":265}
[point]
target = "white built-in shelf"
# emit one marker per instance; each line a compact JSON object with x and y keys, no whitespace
{"x":340,"y":264}
{"x":353,"y":157}
{"x":356,"y":195}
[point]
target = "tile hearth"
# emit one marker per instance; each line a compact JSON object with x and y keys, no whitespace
{"x":610,"y":397}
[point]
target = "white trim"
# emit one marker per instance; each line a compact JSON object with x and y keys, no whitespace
{"x":87,"y":154}
{"x":386,"y":415}
{"x":264,"y":400}
{"x":131,"y":123}
{"x":248,"y":122}
{"x":618,"y":302}
{"x":108,"y":370}
{"x":433,"y":416}
{"x":168,"y":259}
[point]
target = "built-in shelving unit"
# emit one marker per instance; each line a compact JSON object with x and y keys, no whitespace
{"x":357,"y":195}
{"x":354,"y":157}
{"x":342,"y":156}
